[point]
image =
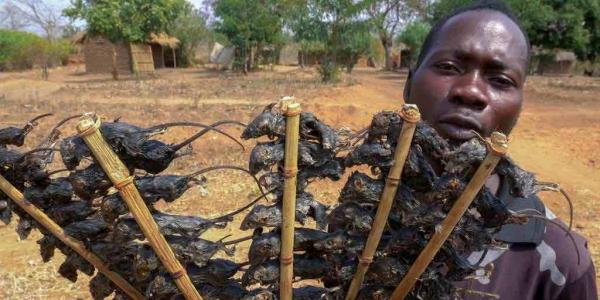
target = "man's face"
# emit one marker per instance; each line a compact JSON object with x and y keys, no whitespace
{"x":472,"y":76}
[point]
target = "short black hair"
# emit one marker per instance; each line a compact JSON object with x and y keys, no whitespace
{"x":494,"y":5}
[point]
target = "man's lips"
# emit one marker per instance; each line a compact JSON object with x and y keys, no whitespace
{"x":458,"y":126}
{"x":461,"y":121}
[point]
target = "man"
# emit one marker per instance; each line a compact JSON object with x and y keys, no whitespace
{"x":470,"y":76}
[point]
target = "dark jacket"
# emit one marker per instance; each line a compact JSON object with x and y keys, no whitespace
{"x":540,"y":261}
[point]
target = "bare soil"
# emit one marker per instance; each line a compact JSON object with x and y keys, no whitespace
{"x":558,"y":137}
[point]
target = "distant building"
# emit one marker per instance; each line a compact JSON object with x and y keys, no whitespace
{"x":221,"y":55}
{"x":557,"y":62}
{"x":158,"y":52}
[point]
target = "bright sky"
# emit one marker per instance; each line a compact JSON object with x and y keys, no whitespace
{"x":59,"y":5}
{"x":64,"y":3}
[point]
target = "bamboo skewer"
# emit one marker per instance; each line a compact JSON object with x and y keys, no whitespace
{"x":497,"y":146}
{"x":40,"y":217}
{"x":119,"y":175}
{"x":286,"y":258}
{"x":411,"y":116}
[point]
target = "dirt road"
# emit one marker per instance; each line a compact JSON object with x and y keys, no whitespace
{"x":558,"y":137}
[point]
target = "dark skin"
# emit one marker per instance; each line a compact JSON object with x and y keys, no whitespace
{"x":472,"y":77}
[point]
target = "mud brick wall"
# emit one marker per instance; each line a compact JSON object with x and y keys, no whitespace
{"x":98,"y":56}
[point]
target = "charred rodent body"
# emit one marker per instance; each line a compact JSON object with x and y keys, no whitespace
{"x":134,"y":145}
{"x":434,"y":176}
{"x":83,"y":202}
{"x":319,"y":147}
{"x":15,"y":135}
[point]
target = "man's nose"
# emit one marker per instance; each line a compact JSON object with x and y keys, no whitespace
{"x":469,"y":90}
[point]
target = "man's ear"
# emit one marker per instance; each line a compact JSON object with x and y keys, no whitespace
{"x":407,"y":85}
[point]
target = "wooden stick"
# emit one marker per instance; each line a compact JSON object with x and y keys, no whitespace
{"x":286,"y":258}
{"x":411,"y":116}
{"x":497,"y":146}
{"x":74,"y":244}
{"x":117,"y":172}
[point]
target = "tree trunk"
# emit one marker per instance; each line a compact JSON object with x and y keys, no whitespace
{"x":351,"y":64}
{"x":387,"y":47}
{"x":115,"y":72}
{"x":45,"y":73}
{"x":246,"y":61}
{"x":301,"y":58}
{"x":252,"y":58}
{"x":174,"y":58}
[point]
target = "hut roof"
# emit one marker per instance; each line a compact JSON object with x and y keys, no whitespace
{"x":565,"y":56}
{"x":164,"y":40}
{"x":78,"y":38}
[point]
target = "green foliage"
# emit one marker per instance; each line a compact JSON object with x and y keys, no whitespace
{"x":316,"y":48}
{"x":23,"y":50}
{"x":376,"y":51}
{"x":355,"y":41}
{"x":413,"y":36}
{"x":15,"y":49}
{"x":332,"y":29}
{"x":57,"y":52}
{"x":249,"y":25}
{"x":329,"y":71}
{"x":570,"y":25}
{"x":190,"y":28}
{"x":126,"y":20}
{"x":439,"y":9}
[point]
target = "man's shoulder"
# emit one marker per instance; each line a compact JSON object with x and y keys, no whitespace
{"x":565,"y":250}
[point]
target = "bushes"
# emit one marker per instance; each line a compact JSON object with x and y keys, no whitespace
{"x":17,"y":49}
{"x":413,"y":36}
{"x":23,"y":50}
{"x":329,"y":71}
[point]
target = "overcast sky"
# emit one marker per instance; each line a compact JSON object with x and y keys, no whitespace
{"x":59,"y":5}
{"x":64,"y":3}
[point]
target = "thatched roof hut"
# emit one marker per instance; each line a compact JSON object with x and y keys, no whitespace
{"x":158,"y":44}
{"x":142,"y":57}
{"x":556,"y":62}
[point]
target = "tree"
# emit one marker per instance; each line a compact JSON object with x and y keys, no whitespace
{"x":592,"y":23}
{"x":355,"y":41}
{"x":190,"y":28}
{"x":125,"y":20}
{"x":22,"y":50}
{"x":12,"y":17}
{"x":413,"y":37}
{"x":17,"y":49}
{"x":337,"y":28}
{"x":42,"y":15}
{"x":388,"y":17}
{"x":571,"y":25}
{"x":309,"y":30}
{"x":249,"y":25}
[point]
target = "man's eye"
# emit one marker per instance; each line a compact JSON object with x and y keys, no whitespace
{"x":502,"y":82}
{"x":447,"y":68}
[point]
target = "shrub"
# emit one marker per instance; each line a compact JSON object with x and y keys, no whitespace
{"x":329,"y":71}
{"x":413,"y":36}
{"x":18,"y":50}
{"x":23,"y":50}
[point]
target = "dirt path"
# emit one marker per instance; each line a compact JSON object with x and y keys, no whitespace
{"x":557,"y":137}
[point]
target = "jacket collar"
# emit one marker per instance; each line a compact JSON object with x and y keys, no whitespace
{"x":531,"y":232}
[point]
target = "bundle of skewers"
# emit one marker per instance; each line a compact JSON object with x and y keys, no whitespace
{"x":87,"y":211}
{"x":412,"y":210}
